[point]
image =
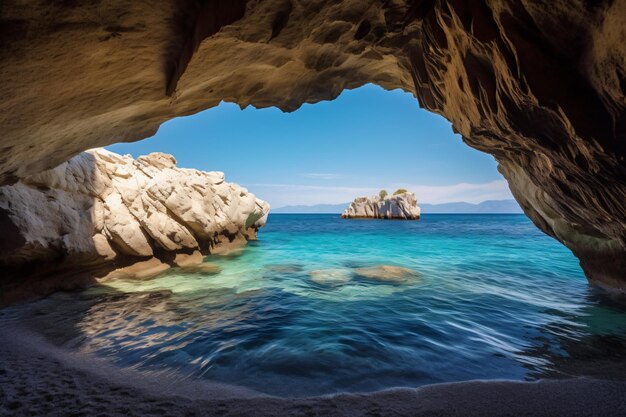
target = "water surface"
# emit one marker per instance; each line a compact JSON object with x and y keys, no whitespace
{"x":490,"y":297}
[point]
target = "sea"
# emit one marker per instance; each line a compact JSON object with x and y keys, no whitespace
{"x":321,"y":305}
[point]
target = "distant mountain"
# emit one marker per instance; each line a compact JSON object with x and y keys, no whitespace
{"x":489,"y":206}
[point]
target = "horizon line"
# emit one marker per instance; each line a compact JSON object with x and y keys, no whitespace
{"x":431,"y":204}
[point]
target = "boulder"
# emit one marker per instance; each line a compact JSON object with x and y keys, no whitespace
{"x":100,"y":207}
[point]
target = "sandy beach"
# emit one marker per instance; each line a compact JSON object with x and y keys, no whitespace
{"x":38,"y":379}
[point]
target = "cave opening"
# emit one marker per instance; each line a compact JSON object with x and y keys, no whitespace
{"x":331,"y":152}
{"x":317,"y":304}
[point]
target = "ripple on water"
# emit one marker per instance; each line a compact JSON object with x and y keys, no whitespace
{"x":321,"y":305}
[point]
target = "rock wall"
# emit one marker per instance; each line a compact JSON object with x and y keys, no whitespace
{"x":102,"y":210}
{"x":539,"y":84}
{"x":398,"y":206}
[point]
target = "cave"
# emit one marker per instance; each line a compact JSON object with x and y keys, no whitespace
{"x":540,"y":85}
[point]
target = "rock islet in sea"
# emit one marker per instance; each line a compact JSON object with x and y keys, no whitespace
{"x":402,"y":205}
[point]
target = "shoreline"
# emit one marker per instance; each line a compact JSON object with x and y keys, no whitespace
{"x":37,"y":378}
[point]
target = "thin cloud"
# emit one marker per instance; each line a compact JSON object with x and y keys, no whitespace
{"x":314,"y":187}
{"x":467,"y":192}
{"x":321,"y":176}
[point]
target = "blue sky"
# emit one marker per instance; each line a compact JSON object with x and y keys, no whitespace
{"x":331,"y":152}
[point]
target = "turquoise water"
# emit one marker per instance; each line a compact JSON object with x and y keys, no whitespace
{"x":481,"y":297}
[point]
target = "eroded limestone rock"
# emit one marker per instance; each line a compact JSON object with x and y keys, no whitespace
{"x":399,"y":206}
{"x":100,"y":207}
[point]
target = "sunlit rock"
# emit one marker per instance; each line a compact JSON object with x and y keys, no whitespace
{"x":101,"y":208}
{"x":401,"y":206}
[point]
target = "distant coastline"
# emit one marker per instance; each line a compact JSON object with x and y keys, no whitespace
{"x":485,"y":207}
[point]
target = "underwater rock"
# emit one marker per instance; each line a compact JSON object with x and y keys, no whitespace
{"x":142,"y":270}
{"x":204,"y":268}
{"x":188,"y":259}
{"x":334,"y":276}
{"x":401,"y":206}
{"x":387,"y":273}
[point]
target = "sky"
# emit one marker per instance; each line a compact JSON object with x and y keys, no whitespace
{"x":366,"y":140}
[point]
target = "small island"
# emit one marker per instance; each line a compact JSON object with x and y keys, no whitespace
{"x":402,"y":205}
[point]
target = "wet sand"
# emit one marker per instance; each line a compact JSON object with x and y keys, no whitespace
{"x":38,"y":379}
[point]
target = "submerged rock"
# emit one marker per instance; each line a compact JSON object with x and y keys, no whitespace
{"x":142,"y":270}
{"x":101,"y":208}
{"x":331,"y":276}
{"x":184,"y":260}
{"x":401,"y":206}
{"x":204,"y":268}
{"x":387,"y":273}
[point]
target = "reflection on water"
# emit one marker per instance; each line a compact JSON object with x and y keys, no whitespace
{"x":480,"y":297}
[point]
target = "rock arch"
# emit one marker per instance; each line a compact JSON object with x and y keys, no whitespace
{"x":538,"y":84}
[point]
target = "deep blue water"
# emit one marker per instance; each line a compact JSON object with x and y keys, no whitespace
{"x":485,"y":296}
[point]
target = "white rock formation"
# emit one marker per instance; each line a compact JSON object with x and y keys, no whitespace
{"x":100,"y":207}
{"x":399,"y":206}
